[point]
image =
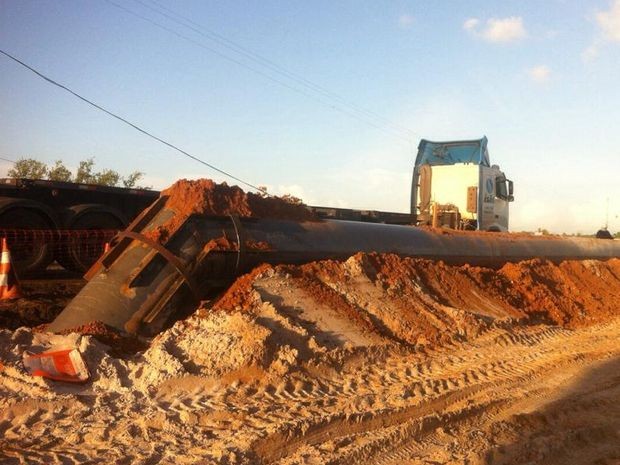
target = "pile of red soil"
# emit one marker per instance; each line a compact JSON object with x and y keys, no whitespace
{"x":240,"y":295}
{"x":571,"y":294}
{"x":204,"y":196}
{"x":314,"y":277}
{"x":403,"y":306}
{"x":414,"y":296}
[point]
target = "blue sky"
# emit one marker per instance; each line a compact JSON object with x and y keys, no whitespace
{"x":538,"y":78}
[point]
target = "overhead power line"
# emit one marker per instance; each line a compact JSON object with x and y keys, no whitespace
{"x":266,"y":62}
{"x":6,"y":159}
{"x":129,"y":123}
{"x":382,"y":127}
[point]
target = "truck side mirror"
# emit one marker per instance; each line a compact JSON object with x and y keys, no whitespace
{"x":511,"y":188}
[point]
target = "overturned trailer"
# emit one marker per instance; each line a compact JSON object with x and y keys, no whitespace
{"x":146,"y":279}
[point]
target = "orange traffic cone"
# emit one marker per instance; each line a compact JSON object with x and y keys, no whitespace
{"x":9,"y":285}
{"x":106,"y":248}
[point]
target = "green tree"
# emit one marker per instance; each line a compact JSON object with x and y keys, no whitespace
{"x":84,"y":173}
{"x":28,"y":168}
{"x":106,"y":178}
{"x":59,"y":172}
{"x":132,"y":180}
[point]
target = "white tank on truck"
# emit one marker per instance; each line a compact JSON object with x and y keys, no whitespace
{"x":455,"y":186}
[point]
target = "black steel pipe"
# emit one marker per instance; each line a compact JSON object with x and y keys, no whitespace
{"x":139,"y":289}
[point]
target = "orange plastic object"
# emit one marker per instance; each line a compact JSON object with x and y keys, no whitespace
{"x":60,"y":365}
{"x":9,"y":285}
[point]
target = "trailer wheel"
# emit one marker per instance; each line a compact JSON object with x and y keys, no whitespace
{"x":30,"y":231}
{"x":90,"y":227}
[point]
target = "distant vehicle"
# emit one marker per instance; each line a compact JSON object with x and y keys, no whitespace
{"x":454,"y":185}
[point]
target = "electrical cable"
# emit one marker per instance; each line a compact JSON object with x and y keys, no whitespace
{"x":261,"y":60}
{"x":136,"y":127}
{"x":391,"y":131}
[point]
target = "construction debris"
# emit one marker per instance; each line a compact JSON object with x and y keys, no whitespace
{"x":59,"y":364}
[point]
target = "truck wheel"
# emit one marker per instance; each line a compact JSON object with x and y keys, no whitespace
{"x":30,"y":230}
{"x":90,"y":227}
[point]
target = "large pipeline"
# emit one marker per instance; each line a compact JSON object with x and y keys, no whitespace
{"x":140,"y":284}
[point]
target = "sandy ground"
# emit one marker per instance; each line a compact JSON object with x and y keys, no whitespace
{"x":377,"y":360}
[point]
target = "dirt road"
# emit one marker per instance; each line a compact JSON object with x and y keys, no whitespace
{"x":280,"y":371}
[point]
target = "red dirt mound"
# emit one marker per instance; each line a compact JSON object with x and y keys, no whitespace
{"x":415,"y":300}
{"x":204,"y":196}
{"x":571,"y":294}
{"x":239,"y":296}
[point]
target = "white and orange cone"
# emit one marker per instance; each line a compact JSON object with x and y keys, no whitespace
{"x":106,"y":248}
{"x":9,"y":285}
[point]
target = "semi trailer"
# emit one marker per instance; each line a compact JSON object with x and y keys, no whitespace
{"x":68,"y":222}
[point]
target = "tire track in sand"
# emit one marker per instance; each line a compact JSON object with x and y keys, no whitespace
{"x":493,"y":381}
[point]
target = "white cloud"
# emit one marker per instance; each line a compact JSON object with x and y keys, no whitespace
{"x":471,"y":24}
{"x":497,"y":30}
{"x":369,"y":188}
{"x":504,"y":30}
{"x":609,"y":22}
{"x":539,"y":74}
{"x":405,"y":21}
{"x":552,"y":34}
{"x":295,"y":190}
{"x":591,"y":52}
